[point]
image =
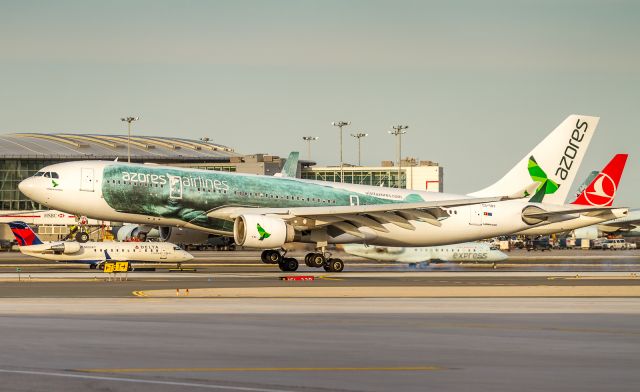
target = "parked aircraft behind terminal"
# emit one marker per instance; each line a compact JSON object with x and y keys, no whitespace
{"x":468,"y":251}
{"x":628,"y":226}
{"x":269,"y":212}
{"x":96,"y":253}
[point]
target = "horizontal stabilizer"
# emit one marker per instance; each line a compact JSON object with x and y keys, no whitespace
{"x":590,"y":211}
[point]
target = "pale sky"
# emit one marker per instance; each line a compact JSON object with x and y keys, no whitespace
{"x":478,"y":82}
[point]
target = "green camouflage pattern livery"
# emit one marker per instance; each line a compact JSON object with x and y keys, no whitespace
{"x":188,"y":195}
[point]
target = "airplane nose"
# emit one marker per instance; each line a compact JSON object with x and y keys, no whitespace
{"x":501,"y":256}
{"x":187,"y":256}
{"x":26,"y":186}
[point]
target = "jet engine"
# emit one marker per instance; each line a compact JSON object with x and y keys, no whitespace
{"x":137,"y":232}
{"x":589,"y":232}
{"x":262,"y":232}
{"x":176,"y":235}
{"x":66,"y":247}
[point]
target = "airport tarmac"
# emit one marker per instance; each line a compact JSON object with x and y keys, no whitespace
{"x":374,"y":327}
{"x":148,"y":344}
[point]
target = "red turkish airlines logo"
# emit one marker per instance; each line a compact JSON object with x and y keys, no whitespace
{"x":601,"y":191}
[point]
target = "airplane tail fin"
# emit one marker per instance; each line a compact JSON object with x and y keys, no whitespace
{"x":24,"y":234}
{"x":553,"y":163}
{"x":290,"y":168}
{"x":602,"y":190}
{"x":586,"y":182}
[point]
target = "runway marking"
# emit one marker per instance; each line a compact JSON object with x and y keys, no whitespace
{"x":265,"y":369}
{"x":142,"y":381}
{"x":324,"y":277}
{"x":139,"y":293}
{"x":631,"y":276}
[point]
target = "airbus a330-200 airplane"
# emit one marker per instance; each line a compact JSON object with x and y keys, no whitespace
{"x":96,"y":253}
{"x":269,"y":212}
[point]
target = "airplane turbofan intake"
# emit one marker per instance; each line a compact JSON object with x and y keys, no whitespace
{"x":262,"y":232}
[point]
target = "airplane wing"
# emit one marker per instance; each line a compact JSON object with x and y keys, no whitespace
{"x":349,"y":218}
{"x":624,"y":225}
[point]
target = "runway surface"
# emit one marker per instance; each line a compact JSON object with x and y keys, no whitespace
{"x":66,"y":328}
{"x":345,"y":351}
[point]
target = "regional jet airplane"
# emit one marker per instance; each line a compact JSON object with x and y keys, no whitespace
{"x":269,"y":212}
{"x":96,"y":253}
{"x":421,"y":256}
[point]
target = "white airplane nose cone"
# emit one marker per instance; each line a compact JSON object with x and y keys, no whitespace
{"x":26,"y":187}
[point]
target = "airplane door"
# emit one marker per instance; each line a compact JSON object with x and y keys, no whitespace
{"x":476,"y":215}
{"x":175,"y":187}
{"x":163,"y":255}
{"x":354,"y":200}
{"x":86,"y":179}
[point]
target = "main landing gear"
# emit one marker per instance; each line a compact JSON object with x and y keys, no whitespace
{"x":314,"y":260}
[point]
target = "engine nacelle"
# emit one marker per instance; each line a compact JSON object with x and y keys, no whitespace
{"x":180,"y":236}
{"x":589,"y":232}
{"x":66,"y":247}
{"x":262,"y":232}
{"x":135,"y":232}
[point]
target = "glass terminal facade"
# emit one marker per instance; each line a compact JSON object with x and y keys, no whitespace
{"x":12,"y":171}
{"x":378,"y":177}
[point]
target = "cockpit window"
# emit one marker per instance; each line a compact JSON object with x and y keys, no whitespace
{"x":176,"y":248}
{"x":47,"y":174}
{"x":39,"y":174}
{"x":54,"y":175}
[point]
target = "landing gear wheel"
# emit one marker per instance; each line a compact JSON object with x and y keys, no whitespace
{"x":101,"y":266}
{"x":92,"y":266}
{"x":273,"y":257}
{"x":82,"y":237}
{"x":334,"y":265}
{"x":307,"y":259}
{"x":264,"y":258}
{"x":317,"y":260}
{"x":288,"y":264}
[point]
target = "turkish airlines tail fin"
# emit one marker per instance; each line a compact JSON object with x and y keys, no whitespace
{"x":553,"y":163}
{"x":23,"y":233}
{"x":602,"y":190}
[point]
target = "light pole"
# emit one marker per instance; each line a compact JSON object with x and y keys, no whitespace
{"x":129,"y":120}
{"x":309,"y":139}
{"x":399,"y":130}
{"x":359,"y":136}
{"x":341,"y":124}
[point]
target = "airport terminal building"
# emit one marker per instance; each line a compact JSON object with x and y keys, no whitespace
{"x":413,"y":174}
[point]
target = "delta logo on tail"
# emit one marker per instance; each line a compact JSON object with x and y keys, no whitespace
{"x":546,"y":187}
{"x":24,"y":235}
{"x":602,"y":190}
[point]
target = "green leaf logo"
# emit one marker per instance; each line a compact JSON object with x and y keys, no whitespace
{"x":546,"y":186}
{"x":54,"y":183}
{"x":263,"y":233}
